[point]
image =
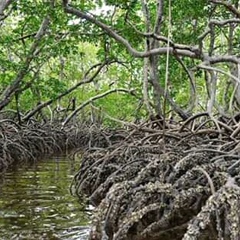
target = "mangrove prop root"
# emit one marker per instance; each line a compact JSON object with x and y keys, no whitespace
{"x":179,"y":184}
{"x":20,"y":144}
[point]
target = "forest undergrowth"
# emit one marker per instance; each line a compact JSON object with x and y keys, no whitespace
{"x":180,"y":182}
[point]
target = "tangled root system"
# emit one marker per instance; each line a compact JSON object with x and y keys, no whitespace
{"x":179,"y":183}
{"x":20,"y":144}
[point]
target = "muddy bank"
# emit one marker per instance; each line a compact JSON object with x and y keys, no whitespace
{"x":179,"y":183}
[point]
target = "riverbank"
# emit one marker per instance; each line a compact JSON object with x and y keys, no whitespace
{"x":146,"y":182}
{"x":20,"y":144}
{"x":179,"y":183}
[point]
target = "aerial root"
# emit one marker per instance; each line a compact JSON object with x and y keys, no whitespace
{"x":21,"y":144}
{"x":154,"y":186}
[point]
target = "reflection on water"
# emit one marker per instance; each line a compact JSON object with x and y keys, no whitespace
{"x":35,"y":203}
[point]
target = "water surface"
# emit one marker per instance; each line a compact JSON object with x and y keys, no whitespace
{"x":35,"y":202}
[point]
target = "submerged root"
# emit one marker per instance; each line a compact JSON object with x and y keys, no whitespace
{"x":175,"y":185}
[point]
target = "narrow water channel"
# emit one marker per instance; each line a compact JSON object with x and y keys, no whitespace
{"x":35,"y":203}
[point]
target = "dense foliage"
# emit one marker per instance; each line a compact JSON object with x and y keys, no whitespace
{"x":172,"y":58}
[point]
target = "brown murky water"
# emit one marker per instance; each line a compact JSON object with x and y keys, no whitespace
{"x":35,"y":203}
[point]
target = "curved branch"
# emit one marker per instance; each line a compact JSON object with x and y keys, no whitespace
{"x":192,"y":118}
{"x":88,"y":80}
{"x":194,"y":53}
{"x":8,"y":93}
{"x":84,"y":104}
{"x":164,"y":39}
{"x":228,"y":5}
{"x":224,"y":22}
{"x":223,"y":58}
{"x":220,"y":71}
